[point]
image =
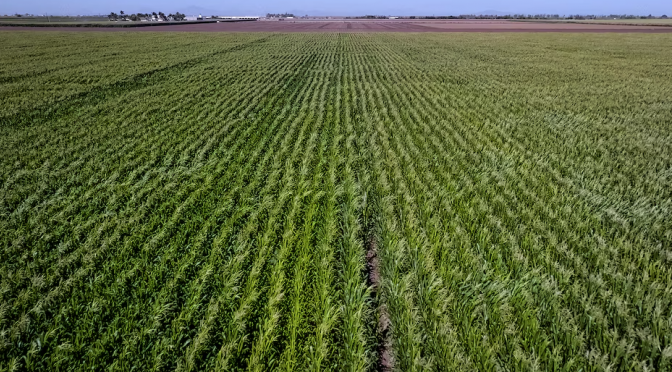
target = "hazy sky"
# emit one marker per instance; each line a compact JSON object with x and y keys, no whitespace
{"x":341,"y":7}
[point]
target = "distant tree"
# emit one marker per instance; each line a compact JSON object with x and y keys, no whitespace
{"x":179,"y":16}
{"x":112,"y":16}
{"x":279,"y":15}
{"x":663,"y":16}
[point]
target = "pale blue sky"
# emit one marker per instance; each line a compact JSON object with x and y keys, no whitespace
{"x":340,"y":7}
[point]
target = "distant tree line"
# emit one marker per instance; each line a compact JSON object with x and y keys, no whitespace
{"x":154,"y":16}
{"x":279,"y":15}
{"x":611,"y":16}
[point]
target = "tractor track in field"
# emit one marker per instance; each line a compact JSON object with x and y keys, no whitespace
{"x":104,"y":92}
{"x":385,"y":362}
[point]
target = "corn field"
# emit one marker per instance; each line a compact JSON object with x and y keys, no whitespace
{"x":350,"y":202}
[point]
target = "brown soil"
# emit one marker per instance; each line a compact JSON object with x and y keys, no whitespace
{"x":373,"y":264}
{"x":374,"y":26}
{"x":386,"y":359}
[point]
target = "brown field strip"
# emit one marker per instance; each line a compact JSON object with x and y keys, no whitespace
{"x":375,"y":26}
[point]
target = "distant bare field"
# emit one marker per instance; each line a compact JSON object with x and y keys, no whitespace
{"x":665,"y":22}
{"x":387,"y":26}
